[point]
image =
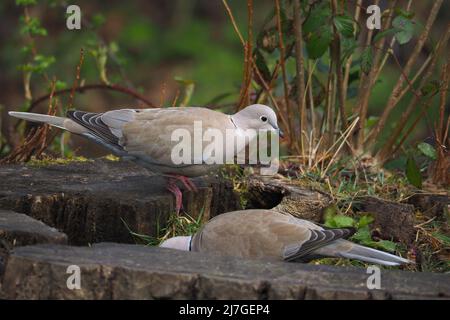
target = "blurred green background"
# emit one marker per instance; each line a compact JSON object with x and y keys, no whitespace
{"x":150,"y":44}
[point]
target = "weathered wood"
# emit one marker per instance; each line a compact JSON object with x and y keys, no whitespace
{"x":90,"y":201}
{"x":392,"y":220}
{"x":431,"y":205}
{"x":20,"y":230}
{"x":120,"y":271}
{"x":17,"y":229}
{"x":287,"y":196}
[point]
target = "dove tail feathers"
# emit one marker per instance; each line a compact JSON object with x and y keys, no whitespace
{"x":59,"y":122}
{"x":349,"y":250}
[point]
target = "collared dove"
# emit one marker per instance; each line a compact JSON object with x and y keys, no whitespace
{"x":145,"y":135}
{"x":271,"y":235}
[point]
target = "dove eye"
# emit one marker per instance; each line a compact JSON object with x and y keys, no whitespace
{"x":263,"y":118}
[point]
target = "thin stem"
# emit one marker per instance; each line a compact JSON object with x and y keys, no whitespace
{"x":284,"y":74}
{"x":348,"y":64}
{"x":367,"y":82}
{"x":77,"y":79}
{"x":266,"y":87}
{"x":393,"y":99}
{"x":81,"y":89}
{"x":391,"y":45}
{"x":248,"y":57}
{"x":402,"y":122}
{"x":300,"y":69}
{"x":311,"y":100}
{"x":336,"y":55}
{"x":233,"y":22}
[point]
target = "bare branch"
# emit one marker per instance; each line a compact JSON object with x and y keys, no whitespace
{"x":300,"y":69}
{"x":77,"y":79}
{"x":284,"y":74}
{"x":393,"y":99}
{"x":387,"y":148}
{"x":112,"y":87}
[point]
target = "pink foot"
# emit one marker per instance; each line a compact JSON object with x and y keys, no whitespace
{"x":188,"y":184}
{"x":173,"y":188}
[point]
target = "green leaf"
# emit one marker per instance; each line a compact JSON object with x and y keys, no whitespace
{"x":406,"y":14}
{"x":60,"y":85}
{"x":427,"y":149}
{"x":386,"y":245}
{"x":366,"y":60}
{"x":364,"y":221}
{"x":341,"y":221}
{"x":385,"y":33}
{"x":363,"y":236}
{"x":317,"y":19}
{"x":32,"y":26}
{"x":345,"y":26}
{"x":40,"y":64}
{"x":319,"y":42}
{"x":413,"y":173}
{"x":406,"y":29}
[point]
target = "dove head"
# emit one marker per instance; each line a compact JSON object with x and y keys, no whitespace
{"x":179,"y":243}
{"x":257,"y":116}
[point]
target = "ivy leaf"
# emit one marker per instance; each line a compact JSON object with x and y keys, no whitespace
{"x":366,"y":60}
{"x":413,"y":173}
{"x":386,"y":245}
{"x":319,"y":42}
{"x":405,"y":27}
{"x":427,"y":149}
{"x":345,"y":26}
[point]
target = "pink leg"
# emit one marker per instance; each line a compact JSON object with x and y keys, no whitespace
{"x":173,"y":188}
{"x":188,"y":184}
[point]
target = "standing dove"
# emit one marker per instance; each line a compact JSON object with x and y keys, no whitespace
{"x":270,"y":235}
{"x":145,"y":135}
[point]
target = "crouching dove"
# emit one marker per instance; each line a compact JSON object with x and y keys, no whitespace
{"x":145,"y":135}
{"x":270,"y":235}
